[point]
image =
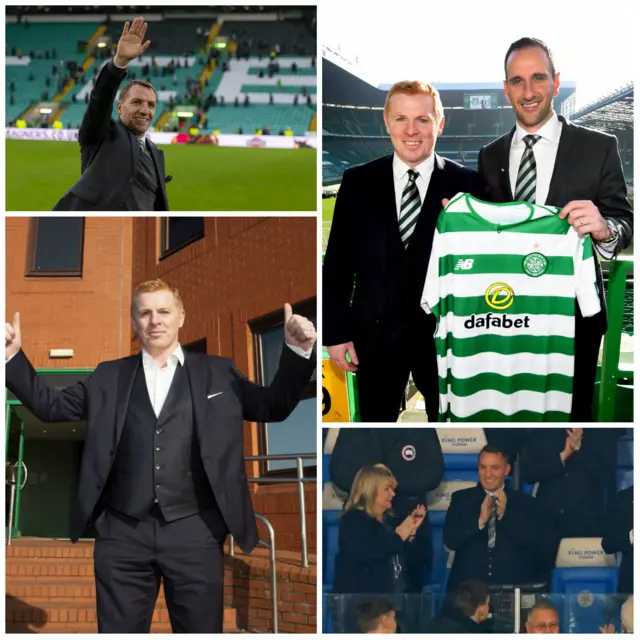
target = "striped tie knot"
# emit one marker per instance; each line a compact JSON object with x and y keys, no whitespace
{"x":412,"y":175}
{"x":530,"y":140}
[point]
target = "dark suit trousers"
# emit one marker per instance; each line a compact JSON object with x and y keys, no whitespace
{"x":131,"y":556}
{"x":383,"y":374}
{"x":587,"y":345}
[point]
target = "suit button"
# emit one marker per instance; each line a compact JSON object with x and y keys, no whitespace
{"x":158,"y":430}
{"x":99,"y":485}
{"x":157,"y":448}
{"x":157,"y":486}
{"x":120,"y":205}
{"x":157,"y":467}
{"x":112,"y":451}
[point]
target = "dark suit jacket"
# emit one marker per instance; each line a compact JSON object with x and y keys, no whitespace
{"x":109,"y":155}
{"x":587,"y":167}
{"x":365,"y":246}
{"x":618,"y":524}
{"x":102,"y":400}
{"x":574,"y":493}
{"x":364,"y":562}
{"x":524,"y":542}
{"x":453,"y":620}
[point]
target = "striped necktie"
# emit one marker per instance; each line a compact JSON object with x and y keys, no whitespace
{"x":143,"y":146}
{"x":526,"y":181}
{"x":409,"y":208}
{"x":492,"y":523}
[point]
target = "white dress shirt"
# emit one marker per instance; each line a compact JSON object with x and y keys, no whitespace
{"x":545,"y":152}
{"x":159,"y":378}
{"x":401,"y":178}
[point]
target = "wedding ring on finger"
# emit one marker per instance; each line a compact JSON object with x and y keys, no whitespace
{"x":581,"y":221}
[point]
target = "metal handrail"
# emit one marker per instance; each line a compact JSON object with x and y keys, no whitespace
{"x":300,"y":479}
{"x":271,"y":545}
{"x":12,"y":500}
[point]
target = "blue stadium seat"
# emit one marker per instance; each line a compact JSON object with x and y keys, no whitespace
{"x":436,"y":581}
{"x":326,"y":476}
{"x":583,"y":572}
{"x":624,"y":478}
{"x":330,"y":527}
{"x":526,"y":489}
{"x":625,"y":451}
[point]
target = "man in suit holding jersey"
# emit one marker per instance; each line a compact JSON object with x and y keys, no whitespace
{"x":378,"y":252}
{"x":162,"y":474}
{"x":545,"y":159}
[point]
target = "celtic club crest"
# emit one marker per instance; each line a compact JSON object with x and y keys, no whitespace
{"x":535,"y":264}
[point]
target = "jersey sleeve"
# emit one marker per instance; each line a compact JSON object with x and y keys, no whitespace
{"x":585,"y":277}
{"x":431,"y":293}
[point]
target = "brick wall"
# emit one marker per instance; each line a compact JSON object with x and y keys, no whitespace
{"x":88,"y":314}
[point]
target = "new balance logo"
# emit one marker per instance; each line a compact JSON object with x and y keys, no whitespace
{"x":464,"y":264}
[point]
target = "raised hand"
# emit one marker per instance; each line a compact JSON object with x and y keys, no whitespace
{"x":298,"y":331}
{"x":131,"y":45}
{"x":12,"y":337}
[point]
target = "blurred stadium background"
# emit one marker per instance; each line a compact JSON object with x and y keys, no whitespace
{"x":217,"y":70}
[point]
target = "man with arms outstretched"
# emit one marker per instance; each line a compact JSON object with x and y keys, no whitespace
{"x":162,"y":475}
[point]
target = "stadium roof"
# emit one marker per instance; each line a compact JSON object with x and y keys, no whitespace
{"x":612,"y":112}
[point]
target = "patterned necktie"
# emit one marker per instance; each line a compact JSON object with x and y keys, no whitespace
{"x":492,"y":522}
{"x":526,"y":181}
{"x":142,"y":144}
{"x":409,"y":208}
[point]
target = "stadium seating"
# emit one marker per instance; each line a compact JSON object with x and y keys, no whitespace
{"x":582,"y":571}
{"x":179,"y":39}
{"x":583,"y":579}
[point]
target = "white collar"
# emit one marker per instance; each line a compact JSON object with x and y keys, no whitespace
{"x":425,"y":168}
{"x":176,"y":355}
{"x":550,"y":131}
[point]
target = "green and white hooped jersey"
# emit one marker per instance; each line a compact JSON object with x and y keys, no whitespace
{"x":502,"y":283}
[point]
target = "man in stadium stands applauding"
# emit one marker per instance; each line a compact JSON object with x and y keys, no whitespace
{"x":467,"y":612}
{"x":121,"y":168}
{"x":381,"y":237}
{"x":543,"y":618}
{"x":626,"y":619}
{"x":618,"y":536}
{"x":573,"y":469}
{"x":546,"y":160}
{"x":499,"y":536}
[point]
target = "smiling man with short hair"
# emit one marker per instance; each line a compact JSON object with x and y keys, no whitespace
{"x":122,"y":169}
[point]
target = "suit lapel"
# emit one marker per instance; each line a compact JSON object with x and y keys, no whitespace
{"x":503,"y":159}
{"x":126,"y":375}
{"x":563,"y":159}
{"x":198,"y":376}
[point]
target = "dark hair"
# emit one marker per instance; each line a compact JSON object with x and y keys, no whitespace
{"x":544,"y":604}
{"x":370,"y":611}
{"x":470,"y":594}
{"x":528,"y":43}
{"x":127,"y":87}
{"x":489,"y":448}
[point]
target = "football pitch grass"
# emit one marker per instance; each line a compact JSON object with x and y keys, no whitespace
{"x":328,"y":205}
{"x":205,"y":178}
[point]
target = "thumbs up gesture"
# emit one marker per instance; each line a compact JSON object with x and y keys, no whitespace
{"x":298,"y":331}
{"x":13,"y":337}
